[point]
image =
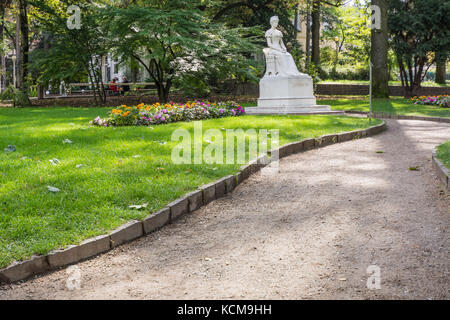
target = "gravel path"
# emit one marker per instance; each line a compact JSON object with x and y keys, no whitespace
{"x":310,"y":233}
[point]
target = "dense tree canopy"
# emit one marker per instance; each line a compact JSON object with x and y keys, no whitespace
{"x":173,"y":39}
{"x":419,"y":29}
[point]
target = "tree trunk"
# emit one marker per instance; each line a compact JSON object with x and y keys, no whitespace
{"x":379,"y":53}
{"x":3,"y":60}
{"x":441,"y":70}
{"x":23,"y":66}
{"x":308,"y":38}
{"x":315,"y":17}
{"x":18,"y":52}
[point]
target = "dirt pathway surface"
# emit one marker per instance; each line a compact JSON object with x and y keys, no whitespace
{"x":308,"y":233}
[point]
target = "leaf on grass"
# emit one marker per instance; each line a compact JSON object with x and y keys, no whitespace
{"x":138,"y":206}
{"x":54,"y":161}
{"x":52,"y":189}
{"x":10,"y":148}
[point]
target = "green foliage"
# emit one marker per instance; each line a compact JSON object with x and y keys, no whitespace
{"x":349,"y":25}
{"x":72,"y":54}
{"x":314,"y":73}
{"x":18,"y":97}
{"x":418,"y":29}
{"x":174,"y":40}
{"x":193,"y":86}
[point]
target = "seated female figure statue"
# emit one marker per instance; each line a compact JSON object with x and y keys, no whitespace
{"x":279,"y":62}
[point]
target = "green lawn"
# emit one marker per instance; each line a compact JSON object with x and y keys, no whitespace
{"x":121,"y":167}
{"x":392,"y":106}
{"x":443,"y":154}
{"x":391,"y":83}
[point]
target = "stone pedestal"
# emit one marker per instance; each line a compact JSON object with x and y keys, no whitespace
{"x":287,"y":95}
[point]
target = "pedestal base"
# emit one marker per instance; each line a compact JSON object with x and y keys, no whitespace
{"x":300,"y":110}
{"x":288,"y":95}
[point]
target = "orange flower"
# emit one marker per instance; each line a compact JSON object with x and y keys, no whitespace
{"x":126,"y":114}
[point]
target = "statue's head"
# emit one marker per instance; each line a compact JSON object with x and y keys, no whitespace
{"x":274,"y":21}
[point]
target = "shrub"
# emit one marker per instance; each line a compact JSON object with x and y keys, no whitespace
{"x":441,"y":101}
{"x":145,"y":115}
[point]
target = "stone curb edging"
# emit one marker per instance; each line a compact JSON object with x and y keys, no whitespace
{"x":399,"y":116}
{"x":186,"y":204}
{"x":442,"y":172}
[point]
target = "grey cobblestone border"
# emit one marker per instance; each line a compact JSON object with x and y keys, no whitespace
{"x":384,"y":115}
{"x":442,"y":172}
{"x":134,"y":229}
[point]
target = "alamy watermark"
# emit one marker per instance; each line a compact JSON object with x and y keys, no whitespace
{"x":375,"y":17}
{"x":231,"y":149}
{"x":74,"y":20}
{"x":374,"y":280}
{"x":73,"y":281}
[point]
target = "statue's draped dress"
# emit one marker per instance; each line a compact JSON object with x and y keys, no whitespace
{"x":284,"y":63}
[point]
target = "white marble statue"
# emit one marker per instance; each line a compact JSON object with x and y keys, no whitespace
{"x":283,"y":89}
{"x":279,"y":62}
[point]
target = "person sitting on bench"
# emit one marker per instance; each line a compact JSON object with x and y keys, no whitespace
{"x":125,"y":89}
{"x":114,"y":89}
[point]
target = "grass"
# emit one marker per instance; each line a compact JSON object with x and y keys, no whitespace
{"x":391,"y":106}
{"x":391,"y":83}
{"x":95,"y":198}
{"x":443,"y":154}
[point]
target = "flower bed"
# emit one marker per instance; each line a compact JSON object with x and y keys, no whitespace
{"x":145,"y":115}
{"x":441,"y":101}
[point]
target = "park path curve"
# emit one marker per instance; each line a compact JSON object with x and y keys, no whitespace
{"x":308,"y":233}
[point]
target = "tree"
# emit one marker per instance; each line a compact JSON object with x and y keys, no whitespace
{"x":257,"y":13}
{"x":5,"y":4}
{"x":379,"y":52}
{"x":315,"y":32}
{"x":174,"y":39}
{"x":441,"y":68}
{"x":70,"y":53}
{"x":24,"y":48}
{"x":316,"y":26}
{"x":418,"y":28}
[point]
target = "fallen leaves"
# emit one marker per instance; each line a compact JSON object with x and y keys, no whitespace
{"x":53,"y":189}
{"x":138,"y":206}
{"x":54,"y":161}
{"x":10,"y":148}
